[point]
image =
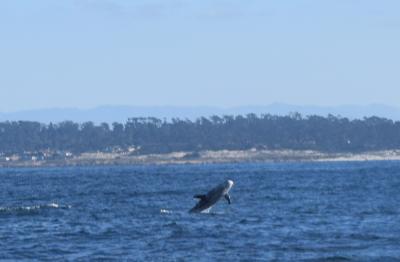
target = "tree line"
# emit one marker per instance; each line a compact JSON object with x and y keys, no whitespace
{"x":153,"y":135}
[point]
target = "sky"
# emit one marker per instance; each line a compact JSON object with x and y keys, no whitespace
{"x":87,"y":53}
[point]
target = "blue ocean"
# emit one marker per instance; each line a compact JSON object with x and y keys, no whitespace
{"x":344,"y":211}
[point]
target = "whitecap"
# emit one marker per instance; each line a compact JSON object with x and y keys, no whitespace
{"x":34,"y":208}
{"x":165,"y":211}
{"x":54,"y":205}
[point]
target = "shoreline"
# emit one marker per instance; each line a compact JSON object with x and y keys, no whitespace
{"x":207,"y":157}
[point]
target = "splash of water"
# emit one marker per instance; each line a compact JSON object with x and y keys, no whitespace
{"x":33,"y":208}
{"x":165,"y":211}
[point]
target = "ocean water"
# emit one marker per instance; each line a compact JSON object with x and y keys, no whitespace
{"x":280,"y":212}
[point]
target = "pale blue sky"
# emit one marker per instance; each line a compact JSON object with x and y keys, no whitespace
{"x":82,"y":53}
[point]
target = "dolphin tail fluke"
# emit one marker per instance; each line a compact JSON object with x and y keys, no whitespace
{"x":201,"y":197}
{"x":228,"y":198}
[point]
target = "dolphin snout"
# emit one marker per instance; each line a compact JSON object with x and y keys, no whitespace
{"x":230,"y":183}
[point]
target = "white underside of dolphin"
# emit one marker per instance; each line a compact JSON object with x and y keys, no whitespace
{"x":212,"y":197}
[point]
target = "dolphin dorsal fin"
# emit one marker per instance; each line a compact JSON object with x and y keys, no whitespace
{"x":202,"y":197}
{"x":228,"y":198}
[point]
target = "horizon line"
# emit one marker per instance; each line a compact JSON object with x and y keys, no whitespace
{"x":79,"y":108}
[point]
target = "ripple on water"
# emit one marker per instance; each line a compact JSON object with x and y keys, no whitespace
{"x":283,"y":212}
{"x":31,"y":210}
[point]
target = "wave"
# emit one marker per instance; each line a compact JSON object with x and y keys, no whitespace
{"x":165,"y":211}
{"x":33,"y":208}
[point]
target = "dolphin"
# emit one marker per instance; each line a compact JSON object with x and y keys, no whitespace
{"x":212,"y":197}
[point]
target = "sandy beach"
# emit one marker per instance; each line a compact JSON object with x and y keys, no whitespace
{"x":204,"y":157}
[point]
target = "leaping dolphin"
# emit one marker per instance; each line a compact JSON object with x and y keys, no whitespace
{"x":212,"y":197}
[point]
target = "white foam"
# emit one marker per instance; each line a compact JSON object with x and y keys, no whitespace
{"x":30,"y":207}
{"x":34,"y":207}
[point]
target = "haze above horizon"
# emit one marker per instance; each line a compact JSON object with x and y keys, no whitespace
{"x":85,"y":54}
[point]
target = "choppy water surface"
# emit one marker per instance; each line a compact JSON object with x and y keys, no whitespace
{"x":283,"y":212}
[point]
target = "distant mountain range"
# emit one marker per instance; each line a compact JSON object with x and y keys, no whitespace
{"x":120,"y":114}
